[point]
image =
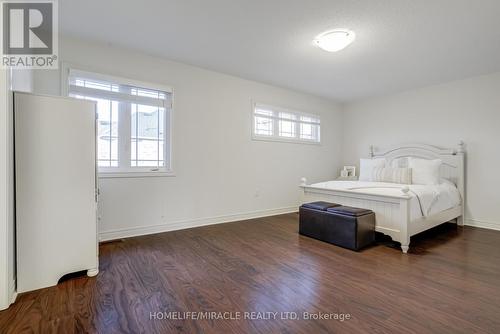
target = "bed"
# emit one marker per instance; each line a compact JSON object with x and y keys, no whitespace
{"x":403,"y":210}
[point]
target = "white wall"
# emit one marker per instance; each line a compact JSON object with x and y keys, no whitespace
{"x":442,"y":115}
{"x":221,"y":174}
{"x":22,"y":80}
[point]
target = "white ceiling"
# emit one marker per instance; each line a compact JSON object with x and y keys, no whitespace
{"x":400,"y":44}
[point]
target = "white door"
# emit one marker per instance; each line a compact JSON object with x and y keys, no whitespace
{"x":55,"y":157}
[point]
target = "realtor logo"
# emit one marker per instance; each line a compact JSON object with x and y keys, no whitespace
{"x":29,"y":34}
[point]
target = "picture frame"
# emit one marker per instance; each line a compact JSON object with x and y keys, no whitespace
{"x":350,"y":171}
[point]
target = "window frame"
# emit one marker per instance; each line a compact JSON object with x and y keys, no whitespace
{"x":129,"y":171}
{"x":275,"y":137}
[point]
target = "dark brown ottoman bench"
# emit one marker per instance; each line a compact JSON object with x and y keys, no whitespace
{"x":344,"y":226}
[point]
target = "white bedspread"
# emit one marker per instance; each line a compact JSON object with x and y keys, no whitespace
{"x":425,"y":199}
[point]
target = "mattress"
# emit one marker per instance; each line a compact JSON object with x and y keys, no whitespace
{"x":425,"y":200}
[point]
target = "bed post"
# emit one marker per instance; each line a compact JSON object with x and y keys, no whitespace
{"x":303,"y":183}
{"x":461,"y":179}
{"x":404,"y":211}
{"x":372,"y":154}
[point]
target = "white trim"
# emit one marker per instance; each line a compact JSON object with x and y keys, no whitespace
{"x":491,"y":225}
{"x":7,"y":214}
{"x":128,"y":174}
{"x":4,"y":189}
{"x":12,"y":291}
{"x":183,"y":224}
{"x":284,"y":140}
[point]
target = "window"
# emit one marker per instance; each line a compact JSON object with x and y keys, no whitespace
{"x":133,"y":130}
{"x":274,"y":123}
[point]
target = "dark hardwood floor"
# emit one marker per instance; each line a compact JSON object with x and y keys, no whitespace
{"x":448,"y":283}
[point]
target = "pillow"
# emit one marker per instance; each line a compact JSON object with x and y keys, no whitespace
{"x":425,"y":171}
{"x":391,"y":174}
{"x":366,"y":167}
{"x":399,"y":163}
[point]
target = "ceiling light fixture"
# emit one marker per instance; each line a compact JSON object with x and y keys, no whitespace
{"x":334,"y":40}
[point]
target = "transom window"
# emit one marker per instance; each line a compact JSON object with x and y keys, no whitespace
{"x":275,"y":123}
{"x":133,"y":129}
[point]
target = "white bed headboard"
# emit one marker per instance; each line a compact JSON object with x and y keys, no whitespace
{"x":453,"y":167}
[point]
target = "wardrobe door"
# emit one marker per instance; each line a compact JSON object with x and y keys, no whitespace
{"x":55,"y":159}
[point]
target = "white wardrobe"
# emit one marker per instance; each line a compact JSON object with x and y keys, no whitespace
{"x":56,"y":189}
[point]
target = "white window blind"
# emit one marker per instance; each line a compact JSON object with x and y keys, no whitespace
{"x":275,"y":123}
{"x":133,"y":132}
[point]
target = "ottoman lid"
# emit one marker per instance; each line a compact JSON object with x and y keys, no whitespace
{"x":322,"y":206}
{"x":349,"y":211}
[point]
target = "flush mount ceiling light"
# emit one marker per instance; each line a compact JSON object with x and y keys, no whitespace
{"x":334,"y":40}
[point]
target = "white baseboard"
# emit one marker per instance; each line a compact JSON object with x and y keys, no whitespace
{"x":180,"y":225}
{"x":483,"y":224}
